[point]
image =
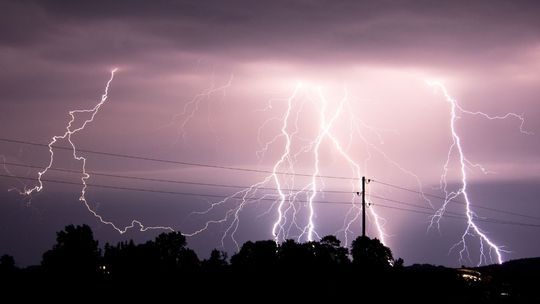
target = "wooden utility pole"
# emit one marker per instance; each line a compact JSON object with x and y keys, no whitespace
{"x":363,"y":206}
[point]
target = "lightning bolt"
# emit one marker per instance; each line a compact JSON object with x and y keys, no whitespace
{"x":70,"y":131}
{"x":285,"y":157}
{"x":248,"y":195}
{"x":288,"y":200}
{"x":183,"y":118}
{"x":294,"y":199}
{"x":472,"y":229}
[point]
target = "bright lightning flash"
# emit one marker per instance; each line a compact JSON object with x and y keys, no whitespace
{"x":293,"y":194}
{"x":70,"y":131}
{"x":472,"y":229}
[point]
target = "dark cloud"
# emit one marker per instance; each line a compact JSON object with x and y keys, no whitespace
{"x":345,"y":31}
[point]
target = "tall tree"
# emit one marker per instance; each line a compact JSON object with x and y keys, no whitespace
{"x":371,"y":253}
{"x":330,"y":253}
{"x":75,"y":252}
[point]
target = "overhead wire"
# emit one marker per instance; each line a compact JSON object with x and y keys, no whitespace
{"x":490,"y":220}
{"x":221,"y":185}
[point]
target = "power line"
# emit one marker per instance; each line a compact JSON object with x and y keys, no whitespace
{"x":226,"y":168}
{"x":457,"y":201}
{"x":161,"y":180}
{"x":486,"y":220}
{"x":262,"y":188}
{"x":166,"y":192}
{"x":416,"y":206}
{"x":446,"y":214}
{"x":205,"y":165}
{"x":400,"y":202}
{"x":489,"y":220}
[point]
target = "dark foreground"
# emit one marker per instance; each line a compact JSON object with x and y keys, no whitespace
{"x":76,"y":269}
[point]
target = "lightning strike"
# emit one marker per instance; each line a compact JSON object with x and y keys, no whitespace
{"x":287,"y":197}
{"x":472,"y":229}
{"x":182,"y":119}
{"x":70,"y":131}
{"x":294,"y":206}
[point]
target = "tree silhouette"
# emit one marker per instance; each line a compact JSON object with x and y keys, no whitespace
{"x":7,"y":265}
{"x":166,"y":255}
{"x":189,"y":261}
{"x":172,"y":252}
{"x":75,"y":252}
{"x":371,"y":253}
{"x":125,"y":259}
{"x":398,"y":264}
{"x":216,"y":261}
{"x":323,"y":268}
{"x":329,"y":252}
{"x":296,"y":256}
{"x":260,"y":255}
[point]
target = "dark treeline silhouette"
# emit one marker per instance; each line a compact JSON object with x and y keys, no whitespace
{"x":262,"y":270}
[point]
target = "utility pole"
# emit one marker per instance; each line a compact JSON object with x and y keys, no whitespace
{"x":363,"y":206}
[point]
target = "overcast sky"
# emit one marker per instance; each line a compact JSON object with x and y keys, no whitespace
{"x":247,"y":58}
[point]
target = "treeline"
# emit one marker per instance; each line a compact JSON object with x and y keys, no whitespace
{"x":166,"y":266}
{"x":77,"y":254}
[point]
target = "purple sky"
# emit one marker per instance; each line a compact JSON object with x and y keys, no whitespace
{"x":55,"y":56}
